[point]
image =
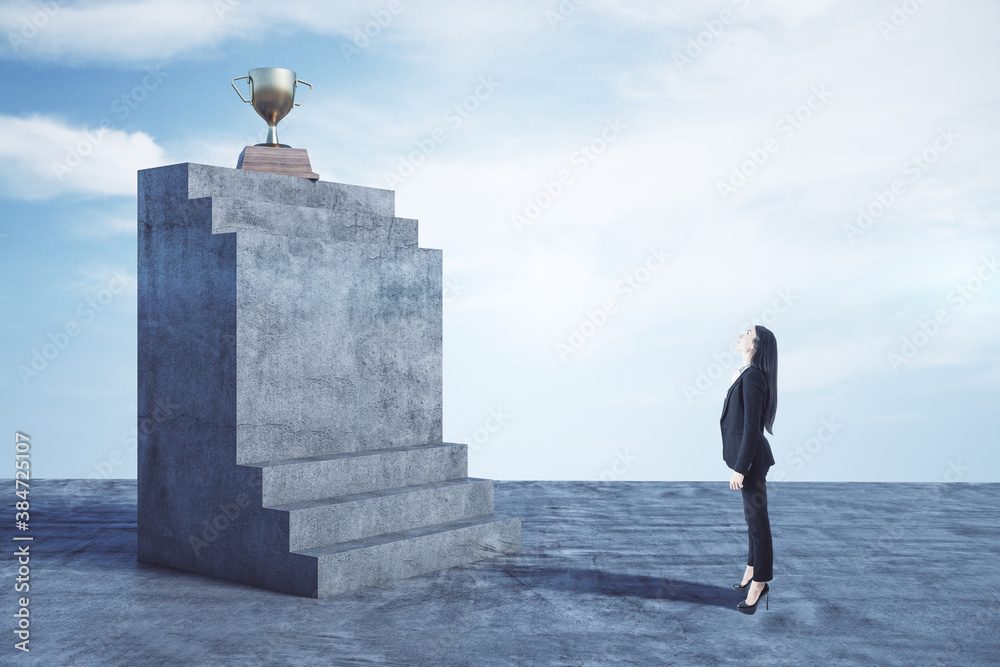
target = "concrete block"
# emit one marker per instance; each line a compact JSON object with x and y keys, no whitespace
{"x":295,"y":329}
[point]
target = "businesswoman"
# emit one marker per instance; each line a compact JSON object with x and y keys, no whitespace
{"x":749,"y":408}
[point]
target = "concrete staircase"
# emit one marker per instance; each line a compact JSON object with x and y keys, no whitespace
{"x":366,"y":518}
{"x":295,"y":329}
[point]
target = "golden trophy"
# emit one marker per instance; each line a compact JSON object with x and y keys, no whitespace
{"x":272,"y":95}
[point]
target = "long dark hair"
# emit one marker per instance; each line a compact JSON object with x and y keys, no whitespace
{"x":765,"y":357}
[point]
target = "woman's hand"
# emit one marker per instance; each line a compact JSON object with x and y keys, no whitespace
{"x":736,"y":481}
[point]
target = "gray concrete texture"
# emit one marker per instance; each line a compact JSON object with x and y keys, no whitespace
{"x":610,"y":573}
{"x":295,"y":327}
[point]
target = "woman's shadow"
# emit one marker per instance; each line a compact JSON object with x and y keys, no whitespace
{"x":619,"y":584}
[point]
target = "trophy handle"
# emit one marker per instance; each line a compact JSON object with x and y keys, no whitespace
{"x":307,"y":94}
{"x":238,"y":90}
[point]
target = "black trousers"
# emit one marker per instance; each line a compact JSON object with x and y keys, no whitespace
{"x":760,"y":555}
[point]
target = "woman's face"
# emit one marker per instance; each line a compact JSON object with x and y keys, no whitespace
{"x":744,"y":343}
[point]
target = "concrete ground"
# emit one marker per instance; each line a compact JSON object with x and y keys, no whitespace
{"x":632,"y":573}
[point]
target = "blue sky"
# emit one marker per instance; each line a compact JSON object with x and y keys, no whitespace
{"x":619,"y":188}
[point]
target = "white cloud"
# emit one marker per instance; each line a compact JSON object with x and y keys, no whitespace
{"x":106,"y":226}
{"x":95,"y":278}
{"x":110,"y":31}
{"x":157,"y":30}
{"x":694,"y":13}
{"x":117,"y":30}
{"x":44,"y":157}
{"x":830,"y":361}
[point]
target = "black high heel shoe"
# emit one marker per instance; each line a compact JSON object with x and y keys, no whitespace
{"x":752,"y":608}
{"x":742,"y":587}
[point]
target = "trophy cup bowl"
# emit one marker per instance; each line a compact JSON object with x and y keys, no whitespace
{"x":272,"y":95}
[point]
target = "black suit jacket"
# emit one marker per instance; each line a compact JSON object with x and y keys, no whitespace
{"x":743,"y":443}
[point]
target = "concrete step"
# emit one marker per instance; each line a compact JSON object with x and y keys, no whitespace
{"x":263,"y":442}
{"x":313,"y":523}
{"x":229,"y":214}
{"x":317,"y":477}
{"x":348,"y":566}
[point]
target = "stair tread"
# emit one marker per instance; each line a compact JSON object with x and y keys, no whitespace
{"x":330,"y":549}
{"x":347,"y":455}
{"x":397,"y":490}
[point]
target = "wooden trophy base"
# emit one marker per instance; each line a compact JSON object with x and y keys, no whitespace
{"x":277,"y":160}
